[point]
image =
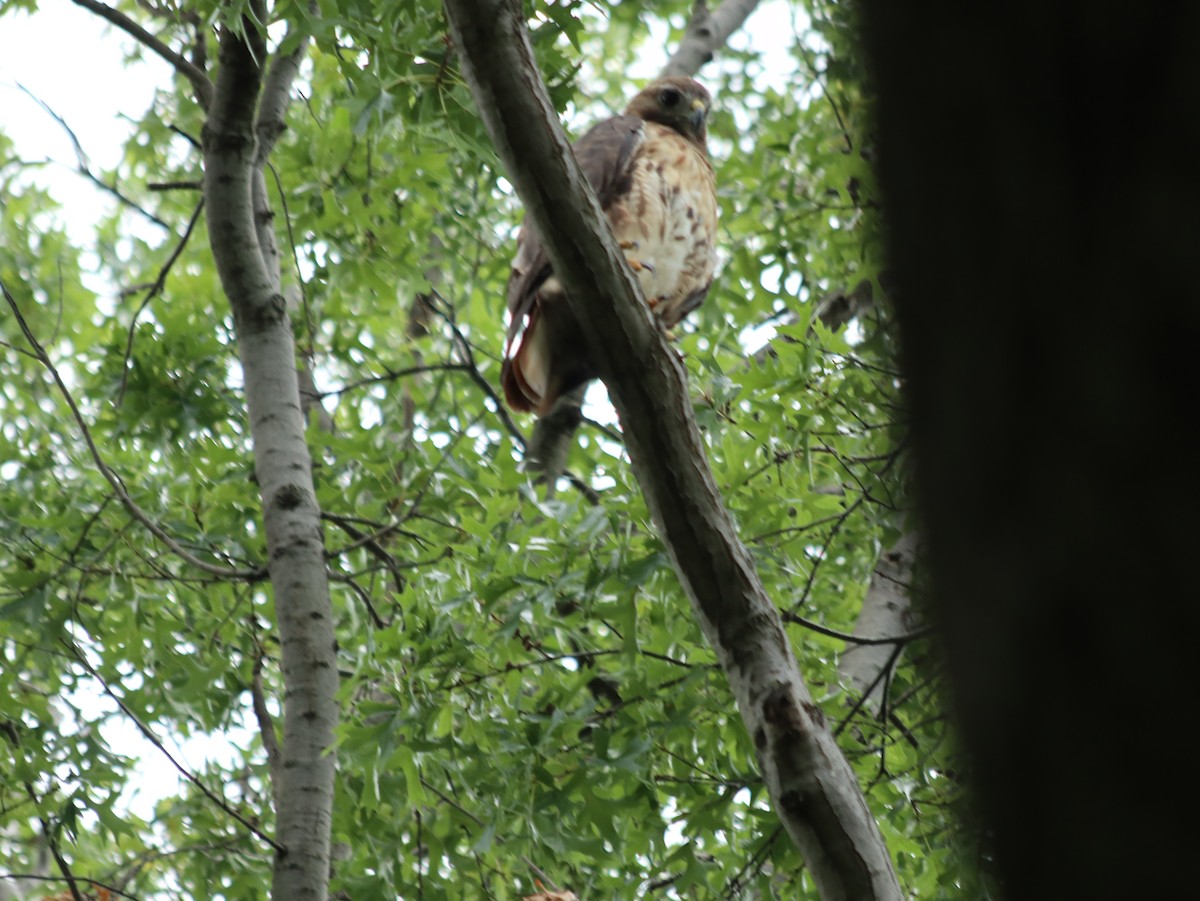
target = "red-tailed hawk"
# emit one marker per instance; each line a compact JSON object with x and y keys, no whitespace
{"x":649,"y":168}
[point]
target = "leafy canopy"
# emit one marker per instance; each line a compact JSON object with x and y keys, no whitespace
{"x":524,"y":688}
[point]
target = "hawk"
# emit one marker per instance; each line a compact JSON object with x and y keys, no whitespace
{"x":650,"y":170}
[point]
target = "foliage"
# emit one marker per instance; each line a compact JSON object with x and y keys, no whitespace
{"x":524,"y":690}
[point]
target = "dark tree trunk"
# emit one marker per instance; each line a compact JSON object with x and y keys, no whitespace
{"x":1039,"y":163}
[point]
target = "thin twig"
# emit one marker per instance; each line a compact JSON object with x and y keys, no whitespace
{"x":734,"y":887}
{"x":309,"y":325}
{"x":550,"y":883}
{"x":789,"y":617}
{"x":373,"y":543}
{"x":153,"y":291}
{"x":153,"y":739}
{"x":37,"y":877}
{"x":55,"y":851}
{"x":364,"y":596}
{"x":392,"y":375}
{"x":83,"y":165}
{"x":51,"y":838}
{"x":883,"y":676}
{"x":250,"y":575}
{"x":468,"y":354}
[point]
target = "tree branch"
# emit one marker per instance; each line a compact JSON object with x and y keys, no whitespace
{"x":41,"y":877}
{"x":271,"y":121}
{"x":153,"y":739}
{"x":49,"y":835}
{"x":886,"y":610}
{"x":810,"y":783}
{"x":199,"y":80}
{"x":83,"y":164}
{"x":153,"y":291}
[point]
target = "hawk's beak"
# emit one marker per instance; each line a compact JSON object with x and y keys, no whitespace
{"x":699,"y":111}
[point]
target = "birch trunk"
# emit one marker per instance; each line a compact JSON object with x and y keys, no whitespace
{"x":247,"y":262}
{"x":886,"y":612}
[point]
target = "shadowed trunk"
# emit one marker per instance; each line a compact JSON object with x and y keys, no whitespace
{"x":1039,"y":173}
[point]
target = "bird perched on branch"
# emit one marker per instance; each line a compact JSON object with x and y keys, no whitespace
{"x":650,"y":170}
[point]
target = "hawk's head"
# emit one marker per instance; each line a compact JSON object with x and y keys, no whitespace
{"x":676,"y":102}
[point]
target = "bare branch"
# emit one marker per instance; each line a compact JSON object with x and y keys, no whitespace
{"x":51,"y":838}
{"x":83,"y":164}
{"x":152,"y":291}
{"x":556,"y":443}
{"x":887,"y":609}
{"x":37,"y":877}
{"x":186,"y":68}
{"x":391,"y":375}
{"x":271,"y":121}
{"x":468,"y":354}
{"x":900,"y":638}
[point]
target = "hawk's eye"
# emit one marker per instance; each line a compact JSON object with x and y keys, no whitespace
{"x":669,"y":97}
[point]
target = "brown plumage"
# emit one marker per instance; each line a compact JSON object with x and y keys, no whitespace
{"x":649,"y":168}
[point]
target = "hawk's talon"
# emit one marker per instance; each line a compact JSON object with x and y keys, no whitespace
{"x":635,"y":264}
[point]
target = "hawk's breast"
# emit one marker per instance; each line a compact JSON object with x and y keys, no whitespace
{"x":668,"y":218}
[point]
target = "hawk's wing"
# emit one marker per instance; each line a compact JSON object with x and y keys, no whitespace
{"x":604,"y":154}
{"x":656,"y":187}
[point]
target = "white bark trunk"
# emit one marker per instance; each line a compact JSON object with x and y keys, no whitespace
{"x":706,"y":33}
{"x":247,"y":261}
{"x":886,"y":612}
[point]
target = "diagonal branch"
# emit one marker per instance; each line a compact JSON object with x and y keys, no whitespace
{"x":182,"y":65}
{"x":706,"y":33}
{"x":812,"y":788}
{"x":83,"y":164}
{"x":154,"y":740}
{"x":153,"y":291}
{"x":271,"y":120}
